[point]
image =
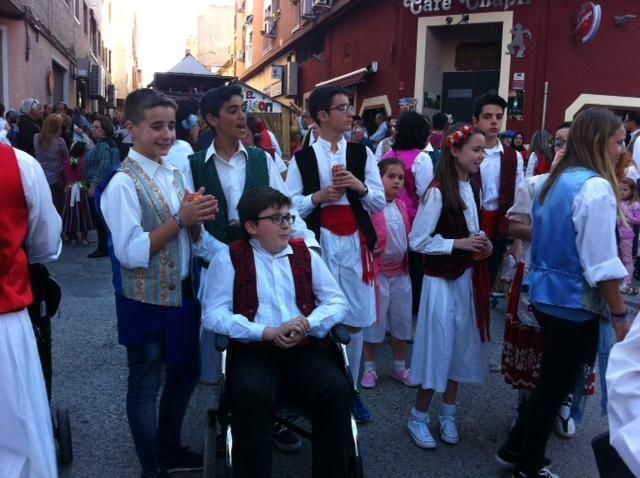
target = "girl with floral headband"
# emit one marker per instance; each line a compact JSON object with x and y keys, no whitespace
{"x":452,"y":332}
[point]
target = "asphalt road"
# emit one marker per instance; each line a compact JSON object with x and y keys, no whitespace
{"x":90,"y":380}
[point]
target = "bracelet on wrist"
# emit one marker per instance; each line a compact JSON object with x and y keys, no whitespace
{"x":179,"y":222}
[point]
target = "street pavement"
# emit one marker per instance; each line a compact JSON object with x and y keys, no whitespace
{"x":90,"y":375}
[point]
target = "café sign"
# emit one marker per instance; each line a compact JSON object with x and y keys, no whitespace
{"x":429,"y":6}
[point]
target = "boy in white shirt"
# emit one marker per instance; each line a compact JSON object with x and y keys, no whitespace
{"x":151,"y":224}
{"x":278,"y":300}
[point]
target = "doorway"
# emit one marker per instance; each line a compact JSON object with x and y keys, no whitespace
{"x":461,"y":89}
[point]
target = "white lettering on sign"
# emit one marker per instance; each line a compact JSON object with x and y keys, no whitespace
{"x":419,"y":6}
{"x":428,"y":6}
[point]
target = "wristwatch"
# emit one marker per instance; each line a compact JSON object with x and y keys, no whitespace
{"x":179,"y":222}
{"x":364,"y":192}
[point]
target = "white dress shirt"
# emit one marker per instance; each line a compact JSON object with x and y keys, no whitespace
{"x":422,"y":170}
{"x":276,"y":296}
{"x":531,"y":165}
{"x":373,"y":202}
{"x":122,"y":212}
{"x":396,"y":247}
{"x":232,"y":176}
{"x":43,"y":243}
{"x":635,"y":154}
{"x":490,"y":172}
{"x":623,"y":385}
{"x":178,"y":156}
{"x":422,"y":238}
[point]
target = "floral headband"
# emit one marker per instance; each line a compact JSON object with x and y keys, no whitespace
{"x":456,"y":138}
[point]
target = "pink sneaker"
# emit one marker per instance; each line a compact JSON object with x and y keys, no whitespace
{"x":369,"y":379}
{"x":403,"y":376}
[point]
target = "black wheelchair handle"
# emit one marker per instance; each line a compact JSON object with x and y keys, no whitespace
{"x":340,"y":334}
{"x":222,"y":342}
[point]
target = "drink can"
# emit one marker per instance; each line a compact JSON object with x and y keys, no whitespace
{"x":336,"y":168}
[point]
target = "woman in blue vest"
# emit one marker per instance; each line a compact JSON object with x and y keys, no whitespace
{"x":574,"y":284}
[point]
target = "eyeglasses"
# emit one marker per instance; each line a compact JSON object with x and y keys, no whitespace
{"x":278,"y":219}
{"x":559,"y":143}
{"x":343,"y":108}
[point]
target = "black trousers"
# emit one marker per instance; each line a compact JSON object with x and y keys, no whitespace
{"x":309,"y":375}
{"x":568,"y":346}
{"x":100,"y":226}
{"x":495,"y":261}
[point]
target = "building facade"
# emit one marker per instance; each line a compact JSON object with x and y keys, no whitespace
{"x":59,"y":50}
{"x":444,"y":53}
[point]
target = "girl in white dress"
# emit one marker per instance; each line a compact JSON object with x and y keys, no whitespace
{"x":451,"y":341}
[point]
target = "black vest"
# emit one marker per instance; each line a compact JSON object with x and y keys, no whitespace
{"x":356,"y":162}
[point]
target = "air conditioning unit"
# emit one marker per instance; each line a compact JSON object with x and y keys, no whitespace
{"x":270,"y":29}
{"x":96,"y":81}
{"x":322,"y":3}
{"x":241,"y":55}
{"x":307,"y":9}
{"x":291,"y":79}
{"x":112,"y":96}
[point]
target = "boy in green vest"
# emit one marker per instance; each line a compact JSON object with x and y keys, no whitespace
{"x":151,"y":224}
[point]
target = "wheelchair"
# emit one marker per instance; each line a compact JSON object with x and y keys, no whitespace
{"x":222,"y":445}
{"x":46,"y":300}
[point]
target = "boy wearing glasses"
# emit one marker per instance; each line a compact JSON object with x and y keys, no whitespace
{"x":278,"y":300}
{"x":335,"y":186}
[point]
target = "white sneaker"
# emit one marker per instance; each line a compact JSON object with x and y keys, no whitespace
{"x":565,"y":427}
{"x":448,"y":429}
{"x":419,"y":431}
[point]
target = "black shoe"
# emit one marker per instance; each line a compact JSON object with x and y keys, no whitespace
{"x":97,"y":253}
{"x":509,"y":459}
{"x":184,"y":460}
{"x":285,"y":440}
{"x":360,"y":412}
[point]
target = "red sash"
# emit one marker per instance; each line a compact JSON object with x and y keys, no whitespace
{"x":482,"y":298}
{"x":341,"y":221}
{"x":489,"y":223}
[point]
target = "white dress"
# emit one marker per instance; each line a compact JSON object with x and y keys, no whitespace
{"x":27,"y":448}
{"x":447,"y":343}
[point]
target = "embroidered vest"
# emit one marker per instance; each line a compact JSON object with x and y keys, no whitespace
{"x":508,"y":171}
{"x":15,"y":289}
{"x":245,"y":289}
{"x":161,"y":282}
{"x":356,"y":162}
{"x":451,"y":226}
{"x":555,"y":275}
{"x":205,"y":174}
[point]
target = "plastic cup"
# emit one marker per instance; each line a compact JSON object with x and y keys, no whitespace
{"x":478,"y":256}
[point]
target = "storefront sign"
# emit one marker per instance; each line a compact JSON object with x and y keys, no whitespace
{"x":254,"y":102}
{"x":429,"y":6}
{"x":588,"y":21}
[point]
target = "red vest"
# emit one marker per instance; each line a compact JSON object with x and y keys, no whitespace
{"x":451,"y":226}
{"x":266,"y":144}
{"x":543,"y":166}
{"x":15,"y":289}
{"x":245,"y":289}
{"x":508,"y":170}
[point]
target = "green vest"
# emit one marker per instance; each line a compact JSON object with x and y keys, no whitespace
{"x":205,"y":174}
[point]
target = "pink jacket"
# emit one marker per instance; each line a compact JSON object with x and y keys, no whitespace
{"x":409,"y":193}
{"x":380,"y":225}
{"x":632,"y":213}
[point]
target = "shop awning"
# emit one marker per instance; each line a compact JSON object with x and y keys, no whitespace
{"x":348,"y":79}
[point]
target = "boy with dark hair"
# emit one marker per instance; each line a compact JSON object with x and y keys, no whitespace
{"x":277,"y":300}
{"x":336,"y":186}
{"x":151,"y":224}
{"x":227,"y":169}
{"x":501,"y":173}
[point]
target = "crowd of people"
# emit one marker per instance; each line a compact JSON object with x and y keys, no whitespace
{"x":405,"y":231}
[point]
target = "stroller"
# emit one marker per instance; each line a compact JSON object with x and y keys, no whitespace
{"x":46,"y":299}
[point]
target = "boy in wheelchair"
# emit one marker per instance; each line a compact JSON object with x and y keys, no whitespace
{"x":277,"y":301}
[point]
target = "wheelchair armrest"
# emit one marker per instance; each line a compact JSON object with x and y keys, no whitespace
{"x":340,"y":334}
{"x":222,"y":342}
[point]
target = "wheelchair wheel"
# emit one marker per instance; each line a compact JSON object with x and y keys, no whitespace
{"x":210,"y":446}
{"x":63,"y":434}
